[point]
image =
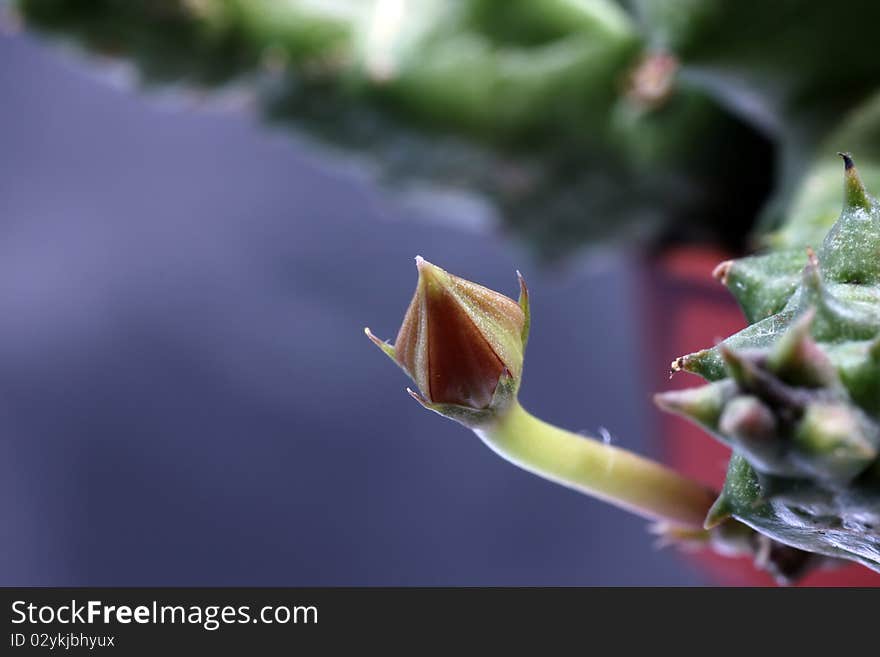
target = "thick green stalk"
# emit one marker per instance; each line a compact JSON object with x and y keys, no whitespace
{"x":609,"y":473}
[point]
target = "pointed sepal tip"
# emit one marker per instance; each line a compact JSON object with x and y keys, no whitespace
{"x":387,"y":349}
{"x":526,"y":309}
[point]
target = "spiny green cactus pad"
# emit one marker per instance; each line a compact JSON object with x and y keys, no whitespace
{"x":797,"y":393}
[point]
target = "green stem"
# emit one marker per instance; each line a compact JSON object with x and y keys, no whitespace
{"x":608,"y":473}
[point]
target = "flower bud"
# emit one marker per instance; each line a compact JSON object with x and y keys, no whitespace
{"x":460,"y":342}
{"x":798,"y":360}
{"x":836,"y":441}
{"x":752,"y":428}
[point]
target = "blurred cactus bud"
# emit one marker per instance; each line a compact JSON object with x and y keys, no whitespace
{"x":798,"y":360}
{"x":747,"y":418}
{"x":651,"y":82}
{"x":860,"y":371}
{"x":743,"y":367}
{"x":834,"y":441}
{"x":460,"y":343}
{"x":751,"y":425}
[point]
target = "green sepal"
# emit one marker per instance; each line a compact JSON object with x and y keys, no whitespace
{"x":503,"y":399}
{"x":526,"y":308}
{"x":386,"y":347}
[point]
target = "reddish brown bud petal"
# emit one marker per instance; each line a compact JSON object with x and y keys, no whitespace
{"x":462,"y":367}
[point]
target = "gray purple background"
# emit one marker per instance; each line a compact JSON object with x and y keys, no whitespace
{"x":186,"y":394}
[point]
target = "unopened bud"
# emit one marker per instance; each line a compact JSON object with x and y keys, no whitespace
{"x":798,"y":360}
{"x":748,"y":418}
{"x":752,"y":428}
{"x":460,"y":341}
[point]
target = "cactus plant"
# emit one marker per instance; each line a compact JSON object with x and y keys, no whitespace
{"x":797,"y":393}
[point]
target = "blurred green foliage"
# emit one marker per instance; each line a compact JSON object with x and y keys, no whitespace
{"x":578,"y":121}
